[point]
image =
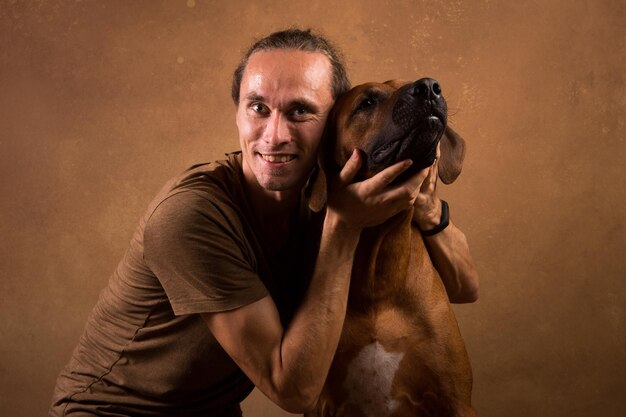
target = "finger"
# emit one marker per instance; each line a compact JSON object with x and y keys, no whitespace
{"x":407,"y":190}
{"x":435,"y":169}
{"x":420,"y":179}
{"x":430,"y":182}
{"x":435,"y":164}
{"x":350,"y":169}
{"x":397,"y":199}
{"x":435,"y":174}
{"x":387,"y":175}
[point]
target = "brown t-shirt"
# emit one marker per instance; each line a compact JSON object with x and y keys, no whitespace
{"x":145,"y":351}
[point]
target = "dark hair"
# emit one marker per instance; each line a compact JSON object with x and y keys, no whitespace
{"x":301,"y":40}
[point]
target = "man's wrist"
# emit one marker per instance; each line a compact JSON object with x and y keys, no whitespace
{"x":335,"y":227}
{"x":426,"y":220}
{"x":436,"y":224}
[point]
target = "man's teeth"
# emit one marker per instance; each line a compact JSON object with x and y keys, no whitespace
{"x":277,"y":158}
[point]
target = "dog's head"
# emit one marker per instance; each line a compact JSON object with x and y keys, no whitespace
{"x":390,"y":122}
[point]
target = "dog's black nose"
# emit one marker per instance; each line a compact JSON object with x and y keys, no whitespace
{"x":426,"y":88}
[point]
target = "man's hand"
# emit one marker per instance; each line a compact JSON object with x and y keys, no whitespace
{"x":427,"y":213}
{"x":372,"y":201}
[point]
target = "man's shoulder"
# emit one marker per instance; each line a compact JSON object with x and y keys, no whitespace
{"x":220,"y":178}
{"x":221,"y":175}
{"x":204,"y":189}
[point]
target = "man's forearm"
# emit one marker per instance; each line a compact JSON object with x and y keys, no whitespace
{"x":451,"y":257}
{"x":311,"y":339}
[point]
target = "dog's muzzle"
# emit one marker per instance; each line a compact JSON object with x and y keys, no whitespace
{"x":418,"y":118}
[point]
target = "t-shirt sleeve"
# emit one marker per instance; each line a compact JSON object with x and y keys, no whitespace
{"x":198,"y":251}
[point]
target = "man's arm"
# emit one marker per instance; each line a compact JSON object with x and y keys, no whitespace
{"x":450,"y":255}
{"x":290,"y":365}
{"x":448,"y":249}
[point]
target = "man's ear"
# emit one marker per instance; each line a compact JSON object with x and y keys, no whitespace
{"x":316,"y":190}
{"x":452,"y":155}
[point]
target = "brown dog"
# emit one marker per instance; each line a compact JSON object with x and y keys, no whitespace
{"x":401,"y":352}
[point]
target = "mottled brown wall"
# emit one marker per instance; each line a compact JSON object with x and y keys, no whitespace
{"x":102,"y":101}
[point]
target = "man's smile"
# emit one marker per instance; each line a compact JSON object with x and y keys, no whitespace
{"x":280,"y":158}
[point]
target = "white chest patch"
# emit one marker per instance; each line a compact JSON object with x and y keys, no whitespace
{"x":369,"y":379}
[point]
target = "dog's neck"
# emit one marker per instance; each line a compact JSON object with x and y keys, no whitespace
{"x":389,"y":249}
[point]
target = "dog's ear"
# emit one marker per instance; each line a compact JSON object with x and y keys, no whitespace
{"x":316,"y":190}
{"x":452,"y":155}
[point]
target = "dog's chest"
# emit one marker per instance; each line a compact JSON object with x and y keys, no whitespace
{"x":373,"y":354}
{"x":369,"y":380}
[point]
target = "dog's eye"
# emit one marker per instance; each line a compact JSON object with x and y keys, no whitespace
{"x":366,"y":103}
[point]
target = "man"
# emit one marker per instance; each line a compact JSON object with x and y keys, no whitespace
{"x":230,"y":282}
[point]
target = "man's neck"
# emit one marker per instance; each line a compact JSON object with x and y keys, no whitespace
{"x":273,"y":213}
{"x":272,"y":204}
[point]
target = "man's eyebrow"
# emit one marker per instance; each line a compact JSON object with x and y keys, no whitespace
{"x":298,"y":102}
{"x":252,"y":96}
{"x":302,"y":102}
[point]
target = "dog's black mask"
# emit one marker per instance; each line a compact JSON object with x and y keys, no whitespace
{"x":418,"y":118}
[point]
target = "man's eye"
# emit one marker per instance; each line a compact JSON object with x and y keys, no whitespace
{"x":365,"y":104}
{"x":299,"y":112}
{"x":259,"y":108}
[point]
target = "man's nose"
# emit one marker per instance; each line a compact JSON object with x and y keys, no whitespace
{"x":277,"y":129}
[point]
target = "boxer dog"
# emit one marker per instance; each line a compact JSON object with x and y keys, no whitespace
{"x":401,"y":352}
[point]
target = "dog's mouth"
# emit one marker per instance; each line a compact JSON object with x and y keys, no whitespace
{"x":419,"y":145}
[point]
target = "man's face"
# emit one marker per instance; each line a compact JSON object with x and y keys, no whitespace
{"x":284,"y":100}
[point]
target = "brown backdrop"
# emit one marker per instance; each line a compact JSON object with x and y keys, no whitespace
{"x":102,"y":101}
